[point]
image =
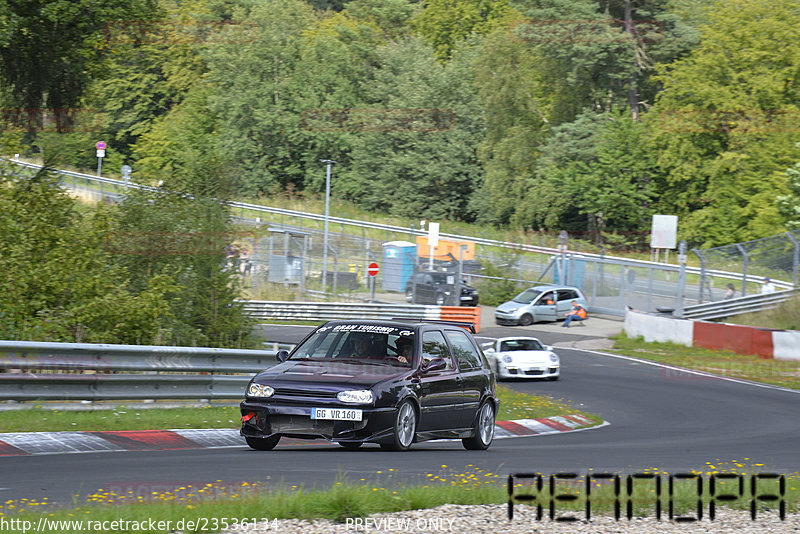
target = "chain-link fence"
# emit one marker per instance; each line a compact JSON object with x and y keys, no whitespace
{"x":286,"y":250}
{"x":745,"y":264}
{"x":292,"y":257}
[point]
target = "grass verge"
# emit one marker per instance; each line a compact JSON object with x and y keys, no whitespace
{"x":768,"y":371}
{"x":513,"y":405}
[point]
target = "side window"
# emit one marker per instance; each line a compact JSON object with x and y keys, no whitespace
{"x":434,"y":346}
{"x":466,"y":355}
{"x":567,"y":294}
{"x":547,"y":299}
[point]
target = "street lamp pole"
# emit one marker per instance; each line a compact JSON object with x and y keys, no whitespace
{"x":329,"y":162}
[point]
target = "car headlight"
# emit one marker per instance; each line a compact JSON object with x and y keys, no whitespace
{"x":259,"y":390}
{"x":507,"y":359}
{"x":356,"y":396}
{"x":553,"y":358}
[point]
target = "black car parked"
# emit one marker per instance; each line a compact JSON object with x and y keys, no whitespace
{"x":386,"y":382}
{"x":435,"y":287}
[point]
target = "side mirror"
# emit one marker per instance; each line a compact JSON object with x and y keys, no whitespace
{"x":437,"y":364}
{"x":282,"y":355}
{"x":548,"y":347}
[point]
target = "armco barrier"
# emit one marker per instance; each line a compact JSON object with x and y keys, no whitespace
{"x":88,"y":371}
{"x":763,"y":342}
{"x":329,"y":311}
{"x":262,"y":310}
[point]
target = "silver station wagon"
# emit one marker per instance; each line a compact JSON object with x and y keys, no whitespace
{"x":540,"y":303}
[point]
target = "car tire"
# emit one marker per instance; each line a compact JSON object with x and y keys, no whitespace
{"x":405,"y":426}
{"x":263,"y":444}
{"x":552,"y":378}
{"x":409,"y":295}
{"x":351,"y":445}
{"x":526,"y":320}
{"x":483,"y":428}
{"x":440,"y":300}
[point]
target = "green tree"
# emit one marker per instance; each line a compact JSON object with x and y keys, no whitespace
{"x":789,"y":204}
{"x":59,"y":281}
{"x":725,"y":124}
{"x":518,"y":106}
{"x":594,"y":174}
{"x":391,"y":16}
{"x":418,"y":156}
{"x":185,"y":238}
{"x":47,"y":47}
{"x":444,"y":24}
{"x":269,"y":94}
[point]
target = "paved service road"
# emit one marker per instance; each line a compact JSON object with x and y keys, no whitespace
{"x":659,"y":418}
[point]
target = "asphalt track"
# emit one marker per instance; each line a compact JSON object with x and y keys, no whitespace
{"x":663,"y":418}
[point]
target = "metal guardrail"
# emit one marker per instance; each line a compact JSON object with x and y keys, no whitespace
{"x":328,"y":311}
{"x":739,"y":305}
{"x":84,"y":371}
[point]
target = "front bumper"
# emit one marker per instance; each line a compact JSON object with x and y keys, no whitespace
{"x":506,"y":319}
{"x":513,"y":370}
{"x":291,"y":420}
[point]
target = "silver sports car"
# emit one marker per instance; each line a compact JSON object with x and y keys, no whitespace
{"x":522,"y":357}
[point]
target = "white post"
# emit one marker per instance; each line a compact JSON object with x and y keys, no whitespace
{"x":433,"y":241}
{"x":327,"y":210}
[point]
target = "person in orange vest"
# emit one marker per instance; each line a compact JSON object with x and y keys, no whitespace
{"x":577,"y":313}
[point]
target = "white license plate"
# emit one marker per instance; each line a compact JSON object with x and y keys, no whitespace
{"x":337,"y":414}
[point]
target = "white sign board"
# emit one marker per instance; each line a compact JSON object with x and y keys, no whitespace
{"x":664,"y":232}
{"x":433,"y":234}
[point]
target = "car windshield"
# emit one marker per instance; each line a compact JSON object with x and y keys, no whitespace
{"x":367,"y":343}
{"x":520,"y":344}
{"x":527,"y":296}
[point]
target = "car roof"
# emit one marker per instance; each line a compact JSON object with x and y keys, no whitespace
{"x":518,"y":337}
{"x":550,"y":286}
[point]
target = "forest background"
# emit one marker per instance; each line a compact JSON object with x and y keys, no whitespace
{"x":582,"y":115}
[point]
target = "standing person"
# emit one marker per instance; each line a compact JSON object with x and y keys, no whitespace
{"x":577,"y":313}
{"x":729,"y":292}
{"x":768,"y":287}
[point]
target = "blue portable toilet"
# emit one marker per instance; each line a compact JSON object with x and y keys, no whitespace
{"x":399,"y":258}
